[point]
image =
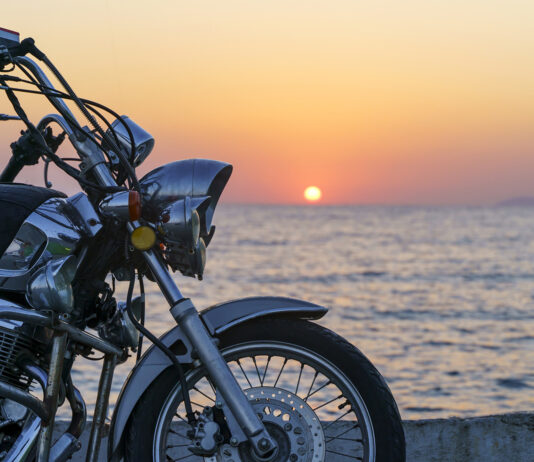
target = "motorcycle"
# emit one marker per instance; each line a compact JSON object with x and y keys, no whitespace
{"x":253,"y":379}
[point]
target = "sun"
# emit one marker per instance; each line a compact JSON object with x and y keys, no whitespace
{"x":312,"y":193}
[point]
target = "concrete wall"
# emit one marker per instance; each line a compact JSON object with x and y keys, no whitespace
{"x":500,"y":438}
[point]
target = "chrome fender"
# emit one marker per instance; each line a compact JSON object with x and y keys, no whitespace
{"x":218,"y":319}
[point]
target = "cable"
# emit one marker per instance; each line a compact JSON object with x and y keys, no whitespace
{"x":131,"y":172}
{"x":51,"y":93}
{"x":71,"y":171}
{"x":142,"y":320}
{"x":159,"y":344}
{"x":76,"y":127}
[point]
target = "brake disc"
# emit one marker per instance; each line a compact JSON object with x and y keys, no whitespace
{"x":289,"y":420}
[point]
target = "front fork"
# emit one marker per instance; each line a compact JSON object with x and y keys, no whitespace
{"x":186,"y":315}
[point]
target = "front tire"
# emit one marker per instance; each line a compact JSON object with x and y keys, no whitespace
{"x":317,"y":366}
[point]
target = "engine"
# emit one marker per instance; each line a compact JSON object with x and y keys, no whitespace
{"x":17,"y":339}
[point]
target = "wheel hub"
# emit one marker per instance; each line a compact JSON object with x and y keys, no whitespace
{"x":289,"y":420}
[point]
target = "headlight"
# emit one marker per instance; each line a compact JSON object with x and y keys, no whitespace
{"x":143,"y":141}
{"x":181,"y":198}
{"x":49,"y":288}
{"x":180,"y":222}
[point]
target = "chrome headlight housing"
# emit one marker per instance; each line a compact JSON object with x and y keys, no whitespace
{"x":143,"y":141}
{"x":180,"y":221}
{"x":49,"y":288}
{"x":180,"y":198}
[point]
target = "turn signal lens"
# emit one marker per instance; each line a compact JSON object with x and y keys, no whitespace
{"x":134,"y":205}
{"x":143,"y":238}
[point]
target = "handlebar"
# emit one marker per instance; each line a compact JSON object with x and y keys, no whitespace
{"x":11,"y":170}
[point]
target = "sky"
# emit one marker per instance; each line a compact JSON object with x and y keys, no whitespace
{"x":374,"y":102}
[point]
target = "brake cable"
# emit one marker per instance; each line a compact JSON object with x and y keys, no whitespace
{"x":191,"y":417}
{"x":50,"y":93}
{"x":69,"y":170}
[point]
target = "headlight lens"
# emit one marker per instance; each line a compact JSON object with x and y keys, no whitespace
{"x":180,"y":222}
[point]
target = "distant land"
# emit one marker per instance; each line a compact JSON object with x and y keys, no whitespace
{"x":522,"y":201}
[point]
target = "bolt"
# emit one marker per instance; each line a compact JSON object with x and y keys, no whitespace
{"x":301,"y":440}
{"x":219,"y":404}
{"x":293,"y":458}
{"x":264,"y":444}
{"x":227,"y":452}
{"x":298,"y":431}
{"x":288,"y":427}
{"x":301,"y":451}
{"x":92,"y":222}
{"x":233,"y":441}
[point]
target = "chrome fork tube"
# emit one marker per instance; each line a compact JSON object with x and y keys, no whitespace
{"x":187,"y":317}
{"x":59,"y":345}
{"x":101,"y":407}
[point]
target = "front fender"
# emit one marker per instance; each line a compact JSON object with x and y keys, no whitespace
{"x":218,"y":319}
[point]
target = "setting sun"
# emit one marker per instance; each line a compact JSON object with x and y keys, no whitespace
{"x":312,"y":193}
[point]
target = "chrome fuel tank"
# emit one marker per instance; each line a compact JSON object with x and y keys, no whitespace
{"x":53,"y":230}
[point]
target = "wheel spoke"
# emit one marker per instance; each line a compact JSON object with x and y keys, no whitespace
{"x":280,"y":373}
{"x":344,"y":455}
{"x":298,"y":381}
{"x":256,"y":367}
{"x":244,"y":373}
{"x":318,"y":387}
{"x":203,"y":394}
{"x":328,"y":402}
{"x":334,"y":421}
{"x":265,"y":371}
{"x":174,"y":432}
{"x":340,"y":436}
{"x":311,"y":386}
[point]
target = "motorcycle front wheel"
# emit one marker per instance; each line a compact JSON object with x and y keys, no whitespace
{"x":319,"y":397}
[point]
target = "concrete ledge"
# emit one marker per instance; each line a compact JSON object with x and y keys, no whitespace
{"x":498,"y":438}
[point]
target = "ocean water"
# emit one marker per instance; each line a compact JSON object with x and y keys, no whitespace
{"x":441,"y":299}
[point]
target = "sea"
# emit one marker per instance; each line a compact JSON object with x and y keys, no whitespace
{"x":440,"y":299}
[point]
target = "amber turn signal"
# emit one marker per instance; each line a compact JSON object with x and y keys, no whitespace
{"x":143,"y":238}
{"x":134,"y":205}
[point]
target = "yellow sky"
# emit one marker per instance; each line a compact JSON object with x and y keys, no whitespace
{"x":373,"y":102}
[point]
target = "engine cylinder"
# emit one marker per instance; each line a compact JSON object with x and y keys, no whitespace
{"x":15,"y":340}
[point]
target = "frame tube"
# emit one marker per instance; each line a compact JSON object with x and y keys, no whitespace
{"x":101,"y":407}
{"x":59,"y":347}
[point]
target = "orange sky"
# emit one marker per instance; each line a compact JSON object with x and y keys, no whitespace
{"x":374,"y":102}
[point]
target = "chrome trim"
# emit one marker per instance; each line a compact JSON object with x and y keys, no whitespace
{"x":191,"y":177}
{"x":45,"y":291}
{"x":24,"y":398}
{"x":272,"y":347}
{"x":22,"y":447}
{"x":64,"y":222}
{"x":59,"y":346}
{"x":34,"y":68}
{"x":116,"y":205}
{"x":36,"y":373}
{"x":143,"y":141}
{"x":84,"y":215}
{"x":193,"y":327}
{"x":92,"y":158}
{"x":101,"y":407}
{"x":57,"y":119}
{"x":18,"y":313}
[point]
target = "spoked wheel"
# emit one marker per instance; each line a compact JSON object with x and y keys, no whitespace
{"x":318,"y":396}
